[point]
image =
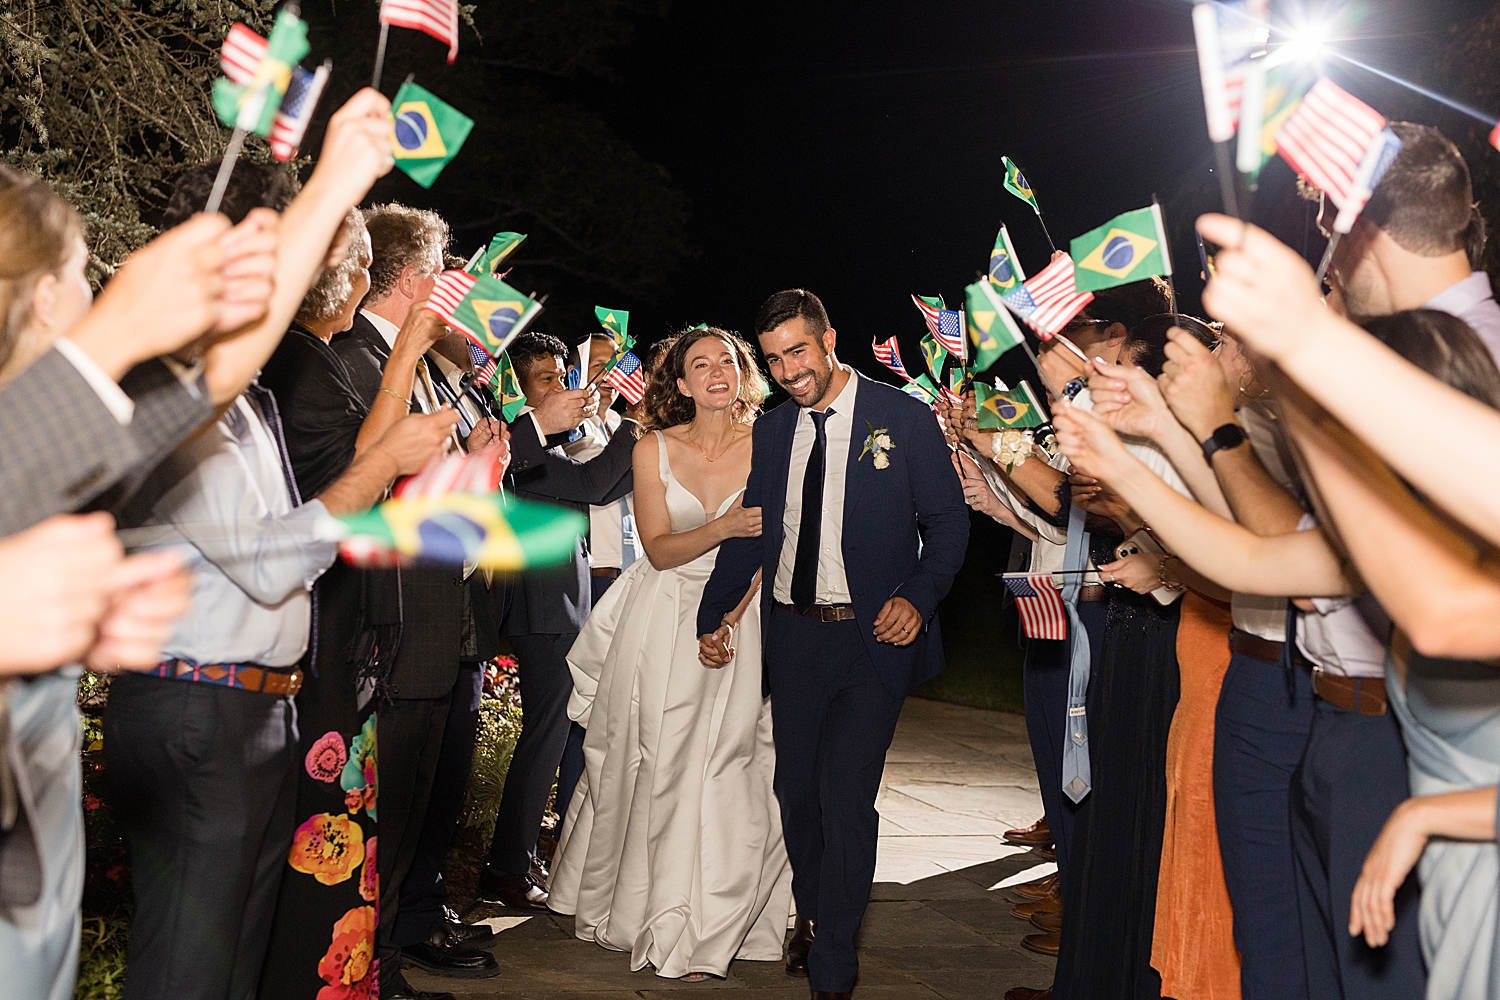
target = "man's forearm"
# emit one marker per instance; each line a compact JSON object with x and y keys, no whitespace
{"x":362,"y":484}
{"x":1186,"y":457}
{"x":1255,"y":499}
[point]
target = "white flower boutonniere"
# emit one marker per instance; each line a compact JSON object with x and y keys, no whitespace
{"x":878,"y":444}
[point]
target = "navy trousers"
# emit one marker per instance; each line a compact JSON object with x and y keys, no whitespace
{"x":833,"y":720}
{"x":1260,"y":731}
{"x":1351,"y":778}
{"x":423,"y":892}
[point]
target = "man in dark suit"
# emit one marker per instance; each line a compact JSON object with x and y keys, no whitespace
{"x":548,"y":607}
{"x":865,"y":528}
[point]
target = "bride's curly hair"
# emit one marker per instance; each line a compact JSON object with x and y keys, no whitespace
{"x":665,"y":404}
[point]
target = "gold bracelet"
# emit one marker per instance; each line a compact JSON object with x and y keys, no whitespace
{"x":1161,"y":574}
{"x":397,"y":396}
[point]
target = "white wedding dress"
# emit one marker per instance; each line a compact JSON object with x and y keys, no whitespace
{"x":672,"y":846}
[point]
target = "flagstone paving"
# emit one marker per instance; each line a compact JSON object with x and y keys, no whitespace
{"x":938,"y":924}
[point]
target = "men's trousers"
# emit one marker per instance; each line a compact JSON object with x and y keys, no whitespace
{"x":423,"y":892}
{"x":1260,"y":731}
{"x":833,"y":721}
{"x":546,"y":686}
{"x":409,"y":735}
{"x":204,"y":779}
{"x":1350,"y":780}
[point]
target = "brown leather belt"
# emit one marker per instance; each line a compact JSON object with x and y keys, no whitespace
{"x":608,"y":572}
{"x":1093,"y":592}
{"x":1253,"y":645}
{"x":823,"y":612}
{"x":1365,"y":695}
{"x":236,"y":675}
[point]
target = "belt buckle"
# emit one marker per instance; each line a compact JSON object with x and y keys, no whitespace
{"x":294,"y":683}
{"x":827,"y":613}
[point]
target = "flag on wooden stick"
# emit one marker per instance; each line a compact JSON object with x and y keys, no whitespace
{"x":438,"y":18}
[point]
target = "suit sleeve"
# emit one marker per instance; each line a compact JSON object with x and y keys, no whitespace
{"x":942,"y":517}
{"x":738,"y":558}
{"x":543,"y":473}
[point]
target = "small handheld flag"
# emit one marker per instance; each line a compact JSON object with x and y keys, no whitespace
{"x":922,"y":388}
{"x":931,"y":307}
{"x":426,"y":133}
{"x":258,"y":72}
{"x":1014,"y":409}
{"x":1043,"y":615}
{"x":460,"y":472}
{"x":1340,"y":145}
{"x":297,"y":107}
{"x":1127,"y":248}
{"x":488,"y":260}
{"x":1017,"y":184}
{"x":494,"y":531}
{"x":1049,"y":300}
{"x":485,"y":367}
{"x":438,"y":18}
{"x":992,"y":331}
{"x":616,"y":323}
{"x":1005,"y":268}
{"x":935,"y":356}
{"x":486,"y":310}
{"x":512,"y":400}
{"x":628,"y":378}
{"x":887,"y":353}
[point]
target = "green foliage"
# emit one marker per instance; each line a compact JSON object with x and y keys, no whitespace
{"x":499,"y":728}
{"x":101,"y":959}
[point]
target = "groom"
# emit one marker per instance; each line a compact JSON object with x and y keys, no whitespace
{"x":865,"y":527}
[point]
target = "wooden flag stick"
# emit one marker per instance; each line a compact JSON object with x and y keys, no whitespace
{"x":226,"y":167}
{"x":475,"y":258}
{"x":385,"y":30}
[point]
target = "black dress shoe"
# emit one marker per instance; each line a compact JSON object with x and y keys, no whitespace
{"x":826,"y":995}
{"x":400,"y":989}
{"x":518,"y":892}
{"x":443,"y":955}
{"x":798,"y":947}
{"x":470,"y":934}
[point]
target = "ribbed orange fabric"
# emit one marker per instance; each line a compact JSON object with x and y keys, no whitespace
{"x":1193,"y":946}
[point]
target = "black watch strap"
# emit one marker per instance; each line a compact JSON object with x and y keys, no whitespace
{"x":1222,"y":439}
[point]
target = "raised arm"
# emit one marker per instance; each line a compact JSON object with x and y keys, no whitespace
{"x":654,"y":523}
{"x":600,"y":480}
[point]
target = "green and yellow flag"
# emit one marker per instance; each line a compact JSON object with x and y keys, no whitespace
{"x":1002,"y":409}
{"x":1285,"y":88}
{"x":1005,"y":268}
{"x":488,"y":310}
{"x":1127,"y":248}
{"x":426,"y":133}
{"x":616,"y":323}
{"x":922,"y":388}
{"x":252,"y":105}
{"x":1017,"y":184}
{"x":495,"y":531}
{"x":992,"y":329}
{"x":935,"y":355}
{"x":512,"y":400}
{"x":500,"y":248}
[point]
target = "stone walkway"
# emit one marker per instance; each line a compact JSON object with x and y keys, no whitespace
{"x":938,"y":924}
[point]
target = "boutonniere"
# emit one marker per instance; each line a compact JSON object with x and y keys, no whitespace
{"x":877,"y":444}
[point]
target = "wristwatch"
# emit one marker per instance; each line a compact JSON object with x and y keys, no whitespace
{"x":1222,"y":439}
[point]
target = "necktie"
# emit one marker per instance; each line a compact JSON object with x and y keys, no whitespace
{"x":810,"y":530}
{"x":1075,"y":770}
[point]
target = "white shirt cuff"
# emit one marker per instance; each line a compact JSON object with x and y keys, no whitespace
{"x":121,"y":406}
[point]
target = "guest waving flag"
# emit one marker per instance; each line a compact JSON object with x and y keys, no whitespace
{"x":943,"y":324}
{"x":887,"y":353}
{"x":240,"y":59}
{"x":1000,"y":408}
{"x":257,"y":72}
{"x":1049,"y":299}
{"x":438,"y":18}
{"x":1340,"y":145}
{"x":1040,"y":606}
{"x":1017,"y":184}
{"x":627,"y":378}
{"x":992,"y":331}
{"x":486,"y":310}
{"x":1127,"y":248}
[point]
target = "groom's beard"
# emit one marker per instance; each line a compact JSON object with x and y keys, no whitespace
{"x":820,"y":381}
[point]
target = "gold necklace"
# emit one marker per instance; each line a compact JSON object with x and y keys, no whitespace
{"x":706,"y":457}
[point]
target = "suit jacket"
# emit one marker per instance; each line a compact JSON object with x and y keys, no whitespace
{"x":905,"y":527}
{"x":62,"y":450}
{"x":558,"y":600}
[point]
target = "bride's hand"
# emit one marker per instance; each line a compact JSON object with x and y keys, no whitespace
{"x":714,"y":649}
{"x":740,"y":521}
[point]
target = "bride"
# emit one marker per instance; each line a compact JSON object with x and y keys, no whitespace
{"x":672,"y":847}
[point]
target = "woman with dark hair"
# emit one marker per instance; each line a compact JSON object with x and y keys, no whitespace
{"x":672,"y":848}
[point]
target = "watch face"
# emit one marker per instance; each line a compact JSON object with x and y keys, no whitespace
{"x":1229,"y":436}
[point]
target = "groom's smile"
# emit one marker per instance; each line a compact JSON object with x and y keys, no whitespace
{"x":801,"y":362}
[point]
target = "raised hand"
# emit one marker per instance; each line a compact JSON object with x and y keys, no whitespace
{"x":249,"y":270}
{"x":563,"y":411}
{"x":417,"y":438}
{"x":1194,"y":387}
{"x":1128,"y":399}
{"x":421,"y":329}
{"x":54,"y":588}
{"x":356,"y":149}
{"x":1090,"y":444}
{"x":1262,"y":289}
{"x":149,"y":592}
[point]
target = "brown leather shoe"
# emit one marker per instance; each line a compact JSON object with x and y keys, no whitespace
{"x":1047,"y":921}
{"x":1027,"y":910}
{"x":1038,"y":889}
{"x":798,"y":947}
{"x":518,"y":892}
{"x":1049,"y":943}
{"x":1031,"y":836}
{"x":1027,"y":993}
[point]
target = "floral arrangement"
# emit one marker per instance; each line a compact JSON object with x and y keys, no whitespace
{"x":879,"y":445}
{"x":499,"y":727}
{"x":1012,"y":448}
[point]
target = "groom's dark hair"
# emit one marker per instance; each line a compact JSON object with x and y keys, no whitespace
{"x":789,"y":304}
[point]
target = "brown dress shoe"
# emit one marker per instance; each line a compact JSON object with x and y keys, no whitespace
{"x":1049,"y":943}
{"x":798,"y":947}
{"x":1029,"y":909}
{"x":1032,"y":836}
{"x":518,"y":892}
{"x":1027,"y":993}
{"x":1047,"y":921}
{"x":1038,"y":889}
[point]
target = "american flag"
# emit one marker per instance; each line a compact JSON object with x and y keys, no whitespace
{"x":1340,"y":145}
{"x":438,"y":18}
{"x":887,"y":354}
{"x":448,"y":293}
{"x":485,"y":366}
{"x":297,"y":107}
{"x":1042,"y":613}
{"x":1048,"y":300}
{"x":627,"y":378}
{"x":950,"y":333}
{"x":474,"y":472}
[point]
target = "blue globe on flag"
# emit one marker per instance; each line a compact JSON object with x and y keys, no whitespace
{"x":449,"y":538}
{"x":1000,"y":269}
{"x":411,"y":130}
{"x":502,"y":319}
{"x":1118,"y":253}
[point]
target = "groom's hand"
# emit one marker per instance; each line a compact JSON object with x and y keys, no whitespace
{"x":714,"y":649}
{"x":898,"y":622}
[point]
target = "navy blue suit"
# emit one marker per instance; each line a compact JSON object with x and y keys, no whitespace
{"x":835,"y":691}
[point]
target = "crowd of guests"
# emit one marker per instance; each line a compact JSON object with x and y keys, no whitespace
{"x":1268,"y":749}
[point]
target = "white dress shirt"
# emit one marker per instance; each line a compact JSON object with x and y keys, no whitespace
{"x":1344,"y":635}
{"x":1472,"y":300}
{"x":606,"y":523}
{"x":838,"y":429}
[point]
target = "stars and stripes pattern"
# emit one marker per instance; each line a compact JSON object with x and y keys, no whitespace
{"x":474,"y":472}
{"x":448,"y":293}
{"x":297,"y":107}
{"x":950,"y":333}
{"x":887,"y":353}
{"x":628,"y":378}
{"x":1043,"y":615}
{"x":930,"y":313}
{"x":485,"y":366}
{"x":241,"y":55}
{"x":1329,"y":140}
{"x":1049,"y":299}
{"x":438,"y":18}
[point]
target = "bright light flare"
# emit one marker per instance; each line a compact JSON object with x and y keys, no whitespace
{"x":1308,"y":43}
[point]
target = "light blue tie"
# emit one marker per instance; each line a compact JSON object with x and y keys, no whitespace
{"x":1075,"y":764}
{"x":629,"y":551}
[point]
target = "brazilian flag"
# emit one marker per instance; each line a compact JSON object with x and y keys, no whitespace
{"x":500,"y":248}
{"x":1017,"y":184}
{"x":992,"y":330}
{"x":935,"y":355}
{"x":1127,"y":248}
{"x":494,"y":531}
{"x":426,"y":133}
{"x":1001,"y":409}
{"x":922,"y":388}
{"x":512,"y":399}
{"x":616,"y":323}
{"x":1005,"y":269}
{"x":492,"y":313}
{"x":1285,"y":87}
{"x":253,"y":106}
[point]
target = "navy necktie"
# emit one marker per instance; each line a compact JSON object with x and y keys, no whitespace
{"x":810,"y":530}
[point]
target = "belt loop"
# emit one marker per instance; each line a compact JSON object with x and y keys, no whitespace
{"x":1359,"y":707}
{"x":1287,"y":646}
